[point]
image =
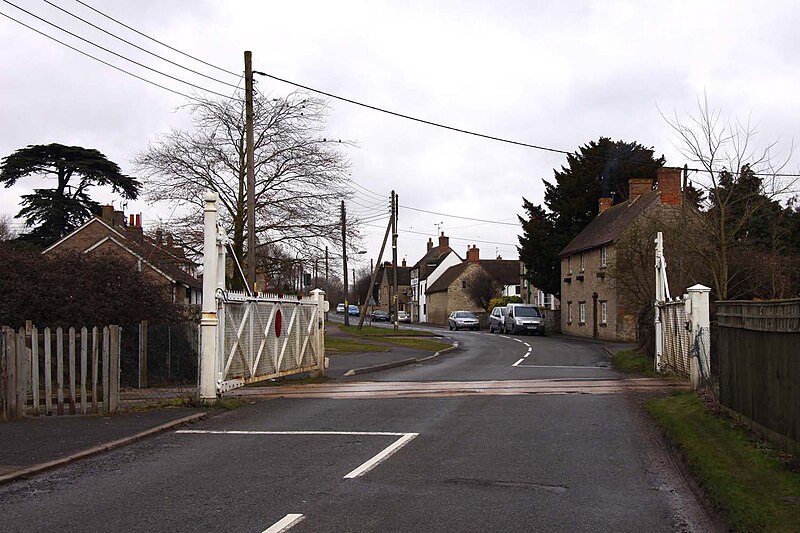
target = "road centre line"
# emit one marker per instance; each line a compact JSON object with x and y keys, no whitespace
{"x":404,"y":439}
{"x":518,"y":362}
{"x":557,"y":366}
{"x":285,"y":523}
{"x":382,"y":456}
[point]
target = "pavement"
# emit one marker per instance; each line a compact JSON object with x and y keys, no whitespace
{"x":37,"y":444}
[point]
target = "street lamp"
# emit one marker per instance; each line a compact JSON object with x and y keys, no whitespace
{"x":347,"y":288}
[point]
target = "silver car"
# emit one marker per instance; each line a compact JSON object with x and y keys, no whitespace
{"x":497,"y":319}
{"x":524,"y":318}
{"x":463,"y":319}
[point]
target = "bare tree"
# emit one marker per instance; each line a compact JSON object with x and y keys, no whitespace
{"x":482,"y":287}
{"x":6,"y":228}
{"x":739,"y":179}
{"x":300,"y":175}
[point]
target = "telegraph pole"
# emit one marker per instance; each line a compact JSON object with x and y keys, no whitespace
{"x":327,"y":270}
{"x":375,"y":273}
{"x":344,"y":264}
{"x":251,"y":179}
{"x":394,"y":255}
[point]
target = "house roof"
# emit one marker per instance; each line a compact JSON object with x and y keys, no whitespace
{"x":403,"y":275}
{"x":447,"y":278}
{"x":432,"y":258}
{"x":161,"y":259}
{"x":607,"y":227}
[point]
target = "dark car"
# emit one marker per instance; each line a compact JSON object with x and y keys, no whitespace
{"x":463,"y":319}
{"x":497,"y":319}
{"x":379,"y":316}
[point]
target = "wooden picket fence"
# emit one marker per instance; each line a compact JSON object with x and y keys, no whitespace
{"x":88,"y":359}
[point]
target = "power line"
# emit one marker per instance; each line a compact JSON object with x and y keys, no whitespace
{"x":98,"y":59}
{"x":137,"y":46}
{"x":112,"y":52}
{"x":451,"y":237}
{"x":156,"y":40}
{"x":460,"y":217}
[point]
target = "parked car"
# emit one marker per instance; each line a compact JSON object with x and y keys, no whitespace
{"x":352,"y":310}
{"x":340,"y":309}
{"x":523,"y":318}
{"x":463,"y":319}
{"x":402,"y":316}
{"x":497,"y":319}
{"x":379,"y":316}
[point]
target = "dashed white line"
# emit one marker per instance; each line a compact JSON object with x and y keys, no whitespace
{"x":518,"y":362}
{"x":285,"y":523}
{"x":404,"y":439}
{"x":382,"y":456}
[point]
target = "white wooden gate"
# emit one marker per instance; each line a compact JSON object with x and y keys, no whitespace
{"x":266,"y":337}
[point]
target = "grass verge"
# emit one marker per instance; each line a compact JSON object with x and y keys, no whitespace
{"x":750,"y":484}
{"x":633,"y":362}
{"x":351,"y":344}
{"x":418,"y":344}
{"x":374,"y":331}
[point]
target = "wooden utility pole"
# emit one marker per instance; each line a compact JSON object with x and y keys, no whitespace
{"x":374,"y":273}
{"x":251,"y":179}
{"x":327,"y":270}
{"x":344,"y":264}
{"x":394,"y":256}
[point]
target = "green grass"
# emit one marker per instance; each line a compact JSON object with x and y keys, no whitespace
{"x":419,"y":344}
{"x":751,"y":485}
{"x":352,"y":344}
{"x":633,"y":362}
{"x":374,"y":331}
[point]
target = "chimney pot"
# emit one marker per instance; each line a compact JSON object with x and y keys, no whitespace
{"x":430,"y":244}
{"x":131,"y":220}
{"x":444,"y":242}
{"x":139,"y":220}
{"x":159,"y":237}
{"x":605,"y":203}
{"x":473,"y":254}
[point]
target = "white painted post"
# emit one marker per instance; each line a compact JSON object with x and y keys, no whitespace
{"x":208,"y":322}
{"x":318,"y":295}
{"x":659,"y":297}
{"x":698,"y":312}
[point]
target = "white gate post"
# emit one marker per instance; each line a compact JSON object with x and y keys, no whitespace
{"x":208,"y":322}
{"x":318,"y":296}
{"x":698,"y":311}
{"x":659,"y":298}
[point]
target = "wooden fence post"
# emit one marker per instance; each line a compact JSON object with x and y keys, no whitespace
{"x":114,"y":356}
{"x":143,"y":354}
{"x":95,"y":364}
{"x":84,"y":361}
{"x":59,"y":371}
{"x":35,"y":368}
{"x":48,"y":373}
{"x":22,"y":374}
{"x":11,"y":372}
{"x":72,"y":409}
{"x":106,"y":373}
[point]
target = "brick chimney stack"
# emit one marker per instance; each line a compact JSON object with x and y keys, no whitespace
{"x":669,"y":183}
{"x":473,"y":254}
{"x":444,"y":242}
{"x":605,"y":203}
{"x":404,"y":262}
{"x":430,"y":244}
{"x":638,"y":187}
{"x":107,"y":214}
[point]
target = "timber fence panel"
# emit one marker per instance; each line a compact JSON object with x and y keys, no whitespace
{"x":48,"y":372}
{"x":105,"y":366}
{"x":114,"y":352}
{"x":72,"y":396}
{"x":84,"y":361}
{"x":35,"y":369}
{"x":759,"y":367}
{"x":95,"y":366}
{"x":22,"y":374}
{"x":59,"y":371}
{"x":11,"y":372}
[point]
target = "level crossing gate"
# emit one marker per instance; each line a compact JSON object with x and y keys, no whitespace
{"x":247,"y":337}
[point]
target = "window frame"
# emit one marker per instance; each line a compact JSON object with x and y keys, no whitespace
{"x":603,"y":256}
{"x":581,"y":313}
{"x":569,"y":312}
{"x":603,"y":313}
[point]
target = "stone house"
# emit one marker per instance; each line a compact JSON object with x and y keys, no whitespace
{"x":385,"y":286}
{"x":591,"y":303}
{"x":425,"y":272}
{"x":158,"y":258}
{"x":449,"y":292}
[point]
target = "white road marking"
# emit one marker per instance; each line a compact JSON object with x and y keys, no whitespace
{"x":285,"y":523}
{"x":517,"y":340}
{"x":518,"y":362}
{"x":556,"y":366}
{"x":382,"y":456}
{"x":404,"y":439}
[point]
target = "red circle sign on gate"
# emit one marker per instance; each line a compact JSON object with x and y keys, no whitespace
{"x":278,"y":320}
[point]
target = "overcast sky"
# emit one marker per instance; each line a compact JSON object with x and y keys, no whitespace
{"x":557,"y":74}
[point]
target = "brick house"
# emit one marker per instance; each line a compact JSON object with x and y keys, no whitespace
{"x":425,"y":272}
{"x":591,"y":303}
{"x":159,"y":258}
{"x":386,"y":280}
{"x":449,"y":292}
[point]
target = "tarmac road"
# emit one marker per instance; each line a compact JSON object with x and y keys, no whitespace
{"x":540,"y":448}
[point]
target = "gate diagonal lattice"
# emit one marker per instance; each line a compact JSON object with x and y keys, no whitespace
{"x":266,"y":337}
{"x":676,"y":337}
